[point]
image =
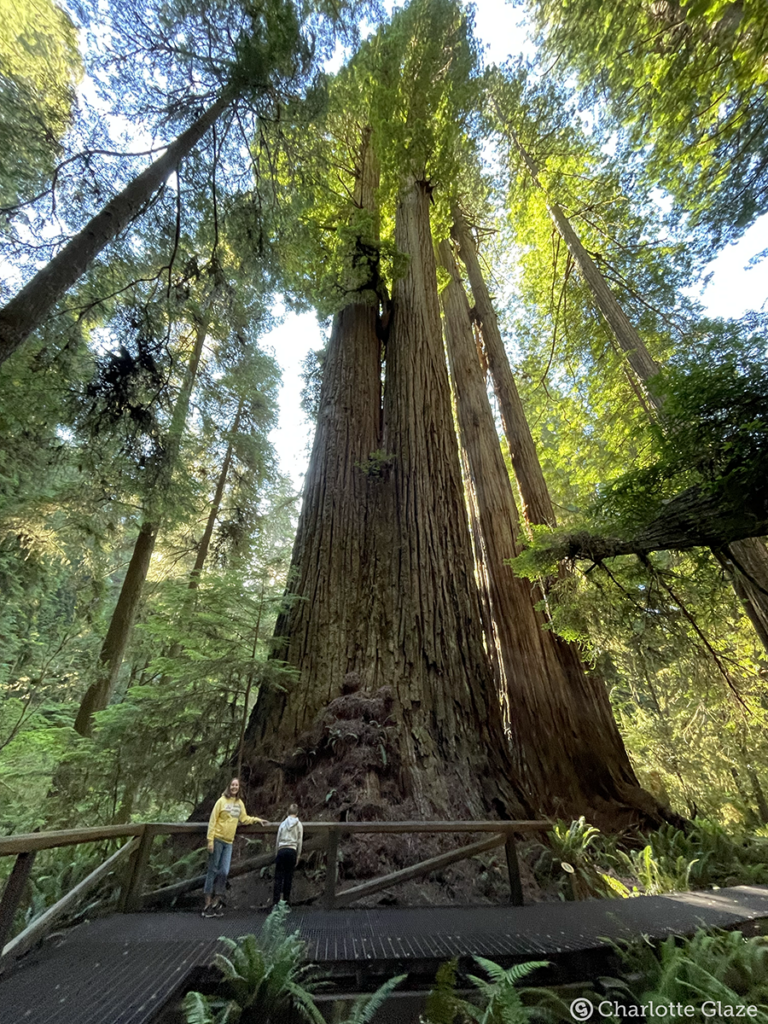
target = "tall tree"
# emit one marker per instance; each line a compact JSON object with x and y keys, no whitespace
{"x":99,"y":693}
{"x":746,"y":559}
{"x":408,"y":626}
{"x":688,"y":83}
{"x":582,"y":763}
{"x":247,"y":59}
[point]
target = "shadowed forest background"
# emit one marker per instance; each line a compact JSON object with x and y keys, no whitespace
{"x":527,"y":576}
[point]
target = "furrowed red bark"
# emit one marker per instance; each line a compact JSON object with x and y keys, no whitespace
{"x":567,"y":748}
{"x":324,"y":626}
{"x":322,"y":631}
{"x":449,"y":710}
{"x":29,"y":308}
{"x":384,"y":572}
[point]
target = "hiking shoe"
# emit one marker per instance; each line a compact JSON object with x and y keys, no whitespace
{"x":218,"y":911}
{"x":207,"y":912}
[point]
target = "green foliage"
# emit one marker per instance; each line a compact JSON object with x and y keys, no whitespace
{"x":377,"y":463}
{"x":39,"y":68}
{"x":687,"y":83}
{"x":264,"y":978}
{"x":660,"y":875}
{"x":706,"y":855}
{"x":578,"y":849}
{"x":442,"y":1004}
{"x":583,"y":863}
{"x":365,"y":1007}
{"x":501,"y":998}
{"x":713,"y":434}
{"x":722,"y":967}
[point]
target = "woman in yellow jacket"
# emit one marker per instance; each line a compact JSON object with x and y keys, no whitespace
{"x":228,"y":812}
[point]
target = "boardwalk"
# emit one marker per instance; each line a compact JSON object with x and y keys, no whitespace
{"x":123,"y":969}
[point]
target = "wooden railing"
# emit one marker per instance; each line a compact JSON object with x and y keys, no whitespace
{"x":319,"y":835}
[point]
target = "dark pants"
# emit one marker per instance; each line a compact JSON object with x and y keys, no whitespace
{"x":285,"y":862}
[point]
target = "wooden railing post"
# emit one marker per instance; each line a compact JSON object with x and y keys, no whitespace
{"x":133,"y":890}
{"x":513,"y":869}
{"x":14,"y":890}
{"x":331,"y":867}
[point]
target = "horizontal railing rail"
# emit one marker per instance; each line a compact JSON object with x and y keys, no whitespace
{"x":321,"y":835}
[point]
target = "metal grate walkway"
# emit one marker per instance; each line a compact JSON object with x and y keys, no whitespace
{"x":123,"y":969}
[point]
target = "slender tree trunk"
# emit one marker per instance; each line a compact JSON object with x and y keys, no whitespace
{"x":537,"y":505}
{"x":33,"y":303}
{"x":627,"y":338}
{"x":205,"y":540}
{"x":483,"y":581}
{"x":759,"y":792}
{"x":748,"y":557}
{"x":113,"y":649}
{"x":567,"y":748}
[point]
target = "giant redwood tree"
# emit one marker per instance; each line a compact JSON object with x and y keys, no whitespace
{"x":383,"y":610}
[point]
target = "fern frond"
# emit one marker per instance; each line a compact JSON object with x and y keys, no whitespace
{"x":197,"y":1009}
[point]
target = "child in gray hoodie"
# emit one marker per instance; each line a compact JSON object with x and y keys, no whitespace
{"x":290,"y":836}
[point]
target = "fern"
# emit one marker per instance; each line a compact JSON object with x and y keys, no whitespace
{"x":719,"y":966}
{"x":365,"y":1007}
{"x":503,"y":1000}
{"x":442,"y":1003}
{"x":265,"y":977}
{"x":197,"y":1009}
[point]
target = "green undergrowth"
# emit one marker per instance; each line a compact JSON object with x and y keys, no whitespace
{"x":266,"y":980}
{"x":581,"y":862}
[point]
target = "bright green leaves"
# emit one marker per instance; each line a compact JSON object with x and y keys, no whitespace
{"x":425,"y":91}
{"x":688,"y":83}
{"x":401,"y":109}
{"x":39,"y":69}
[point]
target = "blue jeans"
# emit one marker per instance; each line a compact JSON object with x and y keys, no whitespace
{"x":218,"y":868}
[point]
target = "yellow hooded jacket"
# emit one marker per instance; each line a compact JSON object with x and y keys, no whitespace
{"x":227,"y":813}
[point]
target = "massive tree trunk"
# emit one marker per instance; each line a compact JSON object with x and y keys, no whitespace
{"x":451,"y":715}
{"x":324,"y":626}
{"x":749,"y":558}
{"x":322,"y":632}
{"x":567,"y":749}
{"x":385,"y":599}
{"x":27,"y":310}
{"x":99,"y":693}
